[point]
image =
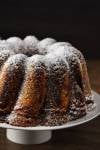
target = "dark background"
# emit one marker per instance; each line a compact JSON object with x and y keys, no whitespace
{"x":76,"y":21}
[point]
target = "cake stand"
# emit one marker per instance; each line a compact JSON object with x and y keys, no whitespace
{"x":41,"y":134}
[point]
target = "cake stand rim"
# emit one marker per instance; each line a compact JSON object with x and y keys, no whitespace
{"x":90,"y":116}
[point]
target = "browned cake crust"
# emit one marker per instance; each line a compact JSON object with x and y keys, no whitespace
{"x":11,"y":77}
{"x":31,"y":96}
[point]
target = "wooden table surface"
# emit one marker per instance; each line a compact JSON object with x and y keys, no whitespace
{"x":83,"y":137}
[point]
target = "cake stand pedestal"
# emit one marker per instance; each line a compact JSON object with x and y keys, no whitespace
{"x":28,"y":137}
{"x":41,"y":134}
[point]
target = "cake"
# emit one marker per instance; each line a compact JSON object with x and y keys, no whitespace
{"x":42,"y":82}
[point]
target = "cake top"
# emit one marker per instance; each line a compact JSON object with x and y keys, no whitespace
{"x":44,"y":44}
{"x":47,"y":51}
{"x":16,"y":43}
{"x":30,"y":45}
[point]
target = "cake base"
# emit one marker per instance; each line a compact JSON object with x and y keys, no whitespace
{"x":41,"y":134}
{"x":28,"y":137}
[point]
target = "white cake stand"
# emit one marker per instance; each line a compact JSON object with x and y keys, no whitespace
{"x":41,"y":134}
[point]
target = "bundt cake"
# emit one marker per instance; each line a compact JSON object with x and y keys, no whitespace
{"x":42,"y":82}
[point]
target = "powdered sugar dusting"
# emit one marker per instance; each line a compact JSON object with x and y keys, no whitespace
{"x":34,"y":60}
{"x":56,"y":45}
{"x":30,"y":45}
{"x":15,"y":61}
{"x":5,"y":45}
{"x":4,"y":55}
{"x":44,"y":44}
{"x":16,"y":43}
